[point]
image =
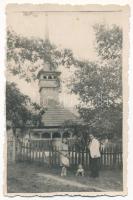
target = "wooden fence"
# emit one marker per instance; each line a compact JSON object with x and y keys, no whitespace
{"x":11,"y":150}
{"x":45,"y":152}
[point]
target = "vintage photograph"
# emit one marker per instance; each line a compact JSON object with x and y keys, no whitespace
{"x":65,"y":98}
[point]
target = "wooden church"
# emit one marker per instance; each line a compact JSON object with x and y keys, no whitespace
{"x":56,"y":114}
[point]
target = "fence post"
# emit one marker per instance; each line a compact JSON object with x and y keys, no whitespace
{"x":75,"y":156}
{"x":14,"y":150}
{"x":114,"y":157}
{"x":83,"y":153}
{"x":72,"y":154}
{"x":50,"y":153}
{"x":87,"y":158}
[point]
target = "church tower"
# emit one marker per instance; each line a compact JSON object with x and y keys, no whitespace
{"x":49,"y":84}
{"x":55,"y":113}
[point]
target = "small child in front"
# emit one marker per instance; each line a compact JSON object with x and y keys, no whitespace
{"x":80,"y":171}
{"x":63,"y":171}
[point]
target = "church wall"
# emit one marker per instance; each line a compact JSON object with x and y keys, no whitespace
{"x":47,"y":94}
{"x":48,"y":83}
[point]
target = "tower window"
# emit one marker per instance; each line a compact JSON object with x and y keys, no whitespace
{"x":49,"y":77}
{"x":54,"y":77}
{"x":45,"y":77}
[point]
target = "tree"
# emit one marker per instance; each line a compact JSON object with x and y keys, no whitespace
{"x":26,"y":55}
{"x":20,"y":109}
{"x":99,"y":84}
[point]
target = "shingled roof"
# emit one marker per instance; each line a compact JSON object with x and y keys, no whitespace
{"x":56,"y":115}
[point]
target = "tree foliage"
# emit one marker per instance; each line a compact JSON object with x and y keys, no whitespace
{"x":108,"y":41}
{"x":99,"y":84}
{"x":20,"y":109}
{"x":26,"y":55}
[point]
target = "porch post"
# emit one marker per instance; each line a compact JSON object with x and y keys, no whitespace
{"x":61,"y":133}
{"x":71,"y":134}
{"x":40,"y":135}
{"x":51,"y":135}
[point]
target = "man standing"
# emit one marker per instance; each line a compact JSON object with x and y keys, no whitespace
{"x":94,"y":147}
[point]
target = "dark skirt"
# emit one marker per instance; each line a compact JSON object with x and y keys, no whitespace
{"x":94,"y":167}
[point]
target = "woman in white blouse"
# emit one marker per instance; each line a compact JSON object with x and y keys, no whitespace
{"x":94,"y":148}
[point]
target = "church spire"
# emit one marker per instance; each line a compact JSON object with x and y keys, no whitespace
{"x":49,"y":84}
{"x":46,"y":27}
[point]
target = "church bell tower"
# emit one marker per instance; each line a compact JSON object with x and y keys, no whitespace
{"x":49,"y":81}
{"x":49,"y":86}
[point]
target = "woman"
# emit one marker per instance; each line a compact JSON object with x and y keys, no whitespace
{"x":64,"y":157}
{"x":94,"y":147}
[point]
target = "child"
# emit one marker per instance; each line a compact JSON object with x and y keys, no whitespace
{"x":63,"y":171}
{"x":80,"y":171}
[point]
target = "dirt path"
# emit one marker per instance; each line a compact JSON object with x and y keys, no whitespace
{"x":69,"y":182}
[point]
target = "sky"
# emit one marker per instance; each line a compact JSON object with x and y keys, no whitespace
{"x":65,"y":30}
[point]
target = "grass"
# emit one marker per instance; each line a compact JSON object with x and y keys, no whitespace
{"x":25,"y":177}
